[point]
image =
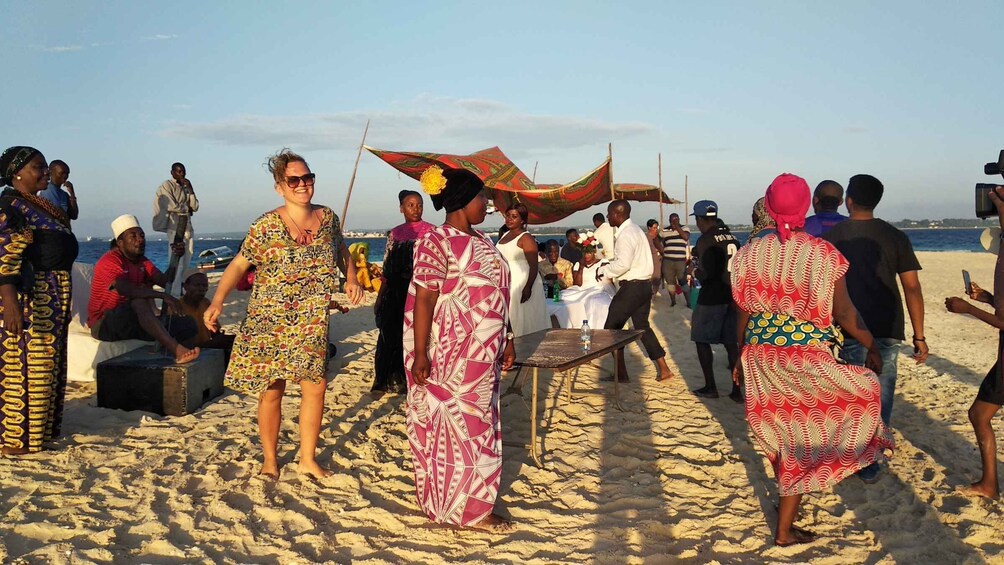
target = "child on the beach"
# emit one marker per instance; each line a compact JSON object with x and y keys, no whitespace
{"x":193,"y":305}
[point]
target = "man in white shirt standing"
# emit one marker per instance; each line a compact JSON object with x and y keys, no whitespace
{"x":604,"y":235}
{"x":633,"y":267}
{"x":176,"y":197}
{"x":60,"y":189}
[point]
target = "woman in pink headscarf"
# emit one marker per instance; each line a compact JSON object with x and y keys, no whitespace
{"x":815,"y":419}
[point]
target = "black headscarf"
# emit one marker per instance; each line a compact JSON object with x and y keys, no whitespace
{"x":462,"y":186}
{"x":13,"y":160}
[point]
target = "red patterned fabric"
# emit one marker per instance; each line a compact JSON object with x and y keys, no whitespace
{"x":816,"y":420}
{"x":507,"y":184}
{"x":453,"y":420}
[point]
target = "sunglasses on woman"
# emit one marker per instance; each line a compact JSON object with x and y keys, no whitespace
{"x":307,"y":180}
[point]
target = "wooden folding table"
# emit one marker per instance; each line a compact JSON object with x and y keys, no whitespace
{"x":561,"y":350}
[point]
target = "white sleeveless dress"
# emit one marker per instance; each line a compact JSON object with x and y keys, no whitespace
{"x":530,"y":316}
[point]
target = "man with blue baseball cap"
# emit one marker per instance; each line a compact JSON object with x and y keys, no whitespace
{"x":714,"y":318}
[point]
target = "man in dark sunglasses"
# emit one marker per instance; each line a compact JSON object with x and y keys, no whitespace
{"x":173,"y":206}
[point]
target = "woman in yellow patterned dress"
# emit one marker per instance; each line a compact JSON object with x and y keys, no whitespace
{"x":285,"y":334}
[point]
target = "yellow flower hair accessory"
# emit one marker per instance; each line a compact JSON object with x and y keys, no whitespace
{"x":432,"y":180}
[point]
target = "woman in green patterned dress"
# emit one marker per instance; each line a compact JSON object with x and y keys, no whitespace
{"x":285,"y":334}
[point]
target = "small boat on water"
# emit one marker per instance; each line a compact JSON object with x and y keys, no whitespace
{"x":214,"y":258}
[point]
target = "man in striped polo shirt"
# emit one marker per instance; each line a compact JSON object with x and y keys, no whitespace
{"x":675,"y":241}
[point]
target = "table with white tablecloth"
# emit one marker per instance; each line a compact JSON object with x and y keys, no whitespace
{"x":579,"y":304}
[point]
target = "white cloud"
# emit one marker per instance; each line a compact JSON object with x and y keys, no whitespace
{"x":451,"y":124}
{"x":160,"y":37}
{"x":63,"y":48}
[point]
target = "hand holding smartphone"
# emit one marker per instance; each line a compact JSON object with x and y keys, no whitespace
{"x":967,"y":282}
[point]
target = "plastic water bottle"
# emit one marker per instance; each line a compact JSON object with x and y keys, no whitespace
{"x":586,"y":335}
{"x":695,"y":291}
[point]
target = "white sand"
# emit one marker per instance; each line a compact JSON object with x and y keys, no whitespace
{"x":672,"y":478}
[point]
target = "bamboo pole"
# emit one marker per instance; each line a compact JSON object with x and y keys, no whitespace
{"x":352,"y":181}
{"x":533,"y":179}
{"x":660,"y":191}
{"x":686,"y":206}
{"x":610,"y":169}
{"x":686,"y":198}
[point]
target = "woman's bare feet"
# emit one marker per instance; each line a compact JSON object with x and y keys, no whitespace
{"x":493,"y":523}
{"x":795,"y":536}
{"x":270,"y":470}
{"x":312,"y":469}
{"x":977,"y":489}
{"x":183,"y":354}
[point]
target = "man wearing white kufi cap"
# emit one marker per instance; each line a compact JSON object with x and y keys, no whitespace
{"x":122,"y":223}
{"x":122,"y":294}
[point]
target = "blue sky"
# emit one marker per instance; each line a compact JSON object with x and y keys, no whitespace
{"x":730,"y":93}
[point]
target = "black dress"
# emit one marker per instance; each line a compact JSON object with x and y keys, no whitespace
{"x":389,"y":312}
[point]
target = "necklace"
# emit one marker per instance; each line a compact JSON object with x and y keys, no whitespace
{"x":305,"y":237}
{"x":49,"y":208}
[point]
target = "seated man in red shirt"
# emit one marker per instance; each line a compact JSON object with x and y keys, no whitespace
{"x":121,"y":305}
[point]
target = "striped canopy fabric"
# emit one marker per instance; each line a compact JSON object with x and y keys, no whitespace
{"x":546,"y":203}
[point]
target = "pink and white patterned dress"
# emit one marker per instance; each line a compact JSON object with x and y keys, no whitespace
{"x":815,"y":419}
{"x":453,"y":420}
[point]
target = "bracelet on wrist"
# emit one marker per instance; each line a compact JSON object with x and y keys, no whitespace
{"x":915,"y":338}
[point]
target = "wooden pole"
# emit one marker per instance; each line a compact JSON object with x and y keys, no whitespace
{"x":610,"y":169}
{"x":686,"y":199}
{"x":352,"y":181}
{"x":660,"y":191}
{"x":686,"y":207}
{"x":533,"y":179}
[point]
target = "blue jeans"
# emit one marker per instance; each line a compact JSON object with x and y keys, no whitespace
{"x":854,"y":353}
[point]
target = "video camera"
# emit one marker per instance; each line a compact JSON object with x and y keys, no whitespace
{"x":984,"y":207}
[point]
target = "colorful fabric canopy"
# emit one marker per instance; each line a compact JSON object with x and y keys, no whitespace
{"x":491,"y":165}
{"x":507,"y":184}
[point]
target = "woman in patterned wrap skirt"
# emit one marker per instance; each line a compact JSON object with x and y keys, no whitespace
{"x":815,"y":419}
{"x":37,"y":250}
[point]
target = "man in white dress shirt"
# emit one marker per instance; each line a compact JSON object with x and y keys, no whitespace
{"x":176,"y":197}
{"x":604,"y":235}
{"x":633,"y":267}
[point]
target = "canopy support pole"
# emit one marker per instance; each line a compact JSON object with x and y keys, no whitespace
{"x":660,"y":191}
{"x":352,"y":181}
{"x":610,"y":157}
{"x":686,"y":206}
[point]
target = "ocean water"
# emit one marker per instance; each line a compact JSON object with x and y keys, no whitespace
{"x":922,"y":239}
{"x":967,"y":239}
{"x":156,"y":251}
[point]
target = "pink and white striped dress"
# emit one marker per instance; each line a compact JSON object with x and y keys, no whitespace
{"x":453,"y":420}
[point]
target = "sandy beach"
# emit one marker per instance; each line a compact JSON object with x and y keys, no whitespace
{"x":672,"y":478}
